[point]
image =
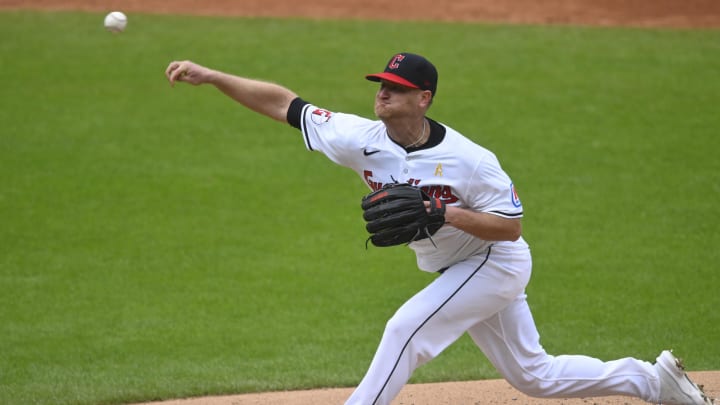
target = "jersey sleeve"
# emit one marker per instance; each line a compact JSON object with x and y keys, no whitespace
{"x":294,"y":113}
{"x":338,"y":136}
{"x":492,"y":191}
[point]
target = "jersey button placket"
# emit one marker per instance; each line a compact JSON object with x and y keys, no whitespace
{"x":402,"y":170}
{"x":406,"y":167}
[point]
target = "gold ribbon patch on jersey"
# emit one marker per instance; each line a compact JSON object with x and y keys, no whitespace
{"x":438,"y":170}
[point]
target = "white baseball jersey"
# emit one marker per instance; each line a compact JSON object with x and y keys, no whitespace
{"x":453,"y":169}
{"x":483,"y":292}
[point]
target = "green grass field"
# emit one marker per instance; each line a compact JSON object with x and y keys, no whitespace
{"x":161,"y":242}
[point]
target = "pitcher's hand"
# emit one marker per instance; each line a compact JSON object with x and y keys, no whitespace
{"x":187,"y":71}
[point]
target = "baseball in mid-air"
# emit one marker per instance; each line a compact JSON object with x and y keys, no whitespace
{"x":116,"y":21}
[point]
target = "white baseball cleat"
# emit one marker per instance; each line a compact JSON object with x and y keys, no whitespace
{"x":676,"y":388}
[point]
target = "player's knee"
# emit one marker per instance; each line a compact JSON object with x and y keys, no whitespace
{"x":528,"y":385}
{"x":404,"y":331}
{"x":530,"y":379}
{"x":399,"y":327}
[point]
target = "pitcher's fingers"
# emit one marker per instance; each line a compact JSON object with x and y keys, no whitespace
{"x":175,"y":72}
{"x":171,"y":67}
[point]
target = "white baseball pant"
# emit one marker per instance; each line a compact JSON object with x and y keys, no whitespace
{"x":485,"y":296}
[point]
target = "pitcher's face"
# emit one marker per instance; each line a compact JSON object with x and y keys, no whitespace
{"x":395,"y":100}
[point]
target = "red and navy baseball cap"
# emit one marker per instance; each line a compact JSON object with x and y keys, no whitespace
{"x":409,"y":69}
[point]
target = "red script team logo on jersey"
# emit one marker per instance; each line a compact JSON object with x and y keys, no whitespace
{"x":440,"y":191}
{"x":321,"y":116}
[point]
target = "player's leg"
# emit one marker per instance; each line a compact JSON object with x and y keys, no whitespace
{"x":511,"y":342}
{"x":434,"y":318}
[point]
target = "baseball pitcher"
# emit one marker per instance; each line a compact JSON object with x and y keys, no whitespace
{"x":450,"y":201}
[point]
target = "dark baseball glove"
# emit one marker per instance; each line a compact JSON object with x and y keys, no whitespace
{"x":396,"y":215}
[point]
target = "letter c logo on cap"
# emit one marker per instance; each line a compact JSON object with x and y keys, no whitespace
{"x":395,"y":62}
